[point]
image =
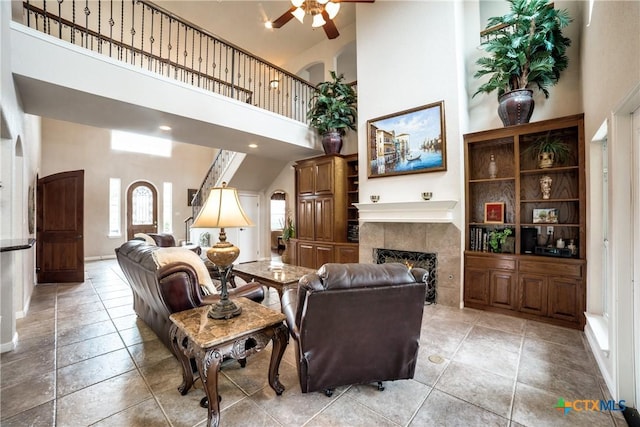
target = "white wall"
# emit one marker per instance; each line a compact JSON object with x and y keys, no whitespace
{"x":68,"y":146}
{"x":19,"y":162}
{"x":611,"y":72}
{"x":400,"y":70}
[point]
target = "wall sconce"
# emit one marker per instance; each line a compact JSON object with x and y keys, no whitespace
{"x":273,"y":84}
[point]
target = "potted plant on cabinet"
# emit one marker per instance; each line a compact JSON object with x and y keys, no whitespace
{"x":332,"y":111}
{"x":548,"y":150}
{"x":497,"y":240}
{"x":288,"y":233}
{"x":526,"y":51}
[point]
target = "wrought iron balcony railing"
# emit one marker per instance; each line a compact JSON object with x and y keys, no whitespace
{"x":147,"y":36}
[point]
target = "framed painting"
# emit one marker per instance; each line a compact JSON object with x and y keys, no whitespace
{"x":411,"y":141}
{"x":545,"y":216}
{"x":494,"y":213}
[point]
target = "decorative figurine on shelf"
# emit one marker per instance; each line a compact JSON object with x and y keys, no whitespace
{"x":545,"y":186}
{"x":493,"y":168}
{"x":572,"y":246}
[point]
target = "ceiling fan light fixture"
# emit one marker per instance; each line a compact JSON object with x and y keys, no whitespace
{"x":297,"y":3}
{"x":299,"y":14}
{"x":318,"y":21}
{"x":332,"y":9}
{"x":322,"y":1}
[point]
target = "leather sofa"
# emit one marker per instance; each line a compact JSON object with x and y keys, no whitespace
{"x":355,"y":324}
{"x":160,"y":291}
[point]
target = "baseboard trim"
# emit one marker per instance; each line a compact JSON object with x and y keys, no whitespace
{"x":631,"y":416}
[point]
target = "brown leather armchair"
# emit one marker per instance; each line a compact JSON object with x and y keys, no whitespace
{"x":356,"y":324}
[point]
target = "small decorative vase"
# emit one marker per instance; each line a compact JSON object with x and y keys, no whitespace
{"x":516,"y":107}
{"x":332,"y":142}
{"x":545,"y":160}
{"x":545,"y":186}
{"x":493,"y":168}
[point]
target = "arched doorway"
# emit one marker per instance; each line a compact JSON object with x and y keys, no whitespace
{"x":142,"y":209}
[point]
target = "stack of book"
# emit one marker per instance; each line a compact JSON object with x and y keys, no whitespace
{"x":478,"y":239}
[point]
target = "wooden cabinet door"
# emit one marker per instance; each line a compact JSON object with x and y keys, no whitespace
{"x":324,"y":255}
{"x":502,"y":289}
{"x":324,"y":177}
{"x":533,"y":294}
{"x":346,"y":254}
{"x":565,"y":299}
{"x":306,"y":255}
{"x":305,"y":179}
{"x":306,"y":219}
{"x":476,"y":286}
{"x":324,"y":219}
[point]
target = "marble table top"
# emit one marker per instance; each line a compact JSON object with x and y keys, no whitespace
{"x":273,"y":271}
{"x":206,"y":332}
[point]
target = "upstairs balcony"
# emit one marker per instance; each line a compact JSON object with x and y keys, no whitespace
{"x":133,"y":65}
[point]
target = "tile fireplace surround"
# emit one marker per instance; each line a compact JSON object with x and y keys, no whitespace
{"x":440,"y":238}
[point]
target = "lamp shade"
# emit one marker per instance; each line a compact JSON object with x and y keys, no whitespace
{"x":222,"y":209}
{"x":332,"y":9}
{"x":318,"y":21}
{"x":299,"y":14}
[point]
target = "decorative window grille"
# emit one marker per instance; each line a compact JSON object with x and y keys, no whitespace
{"x":142,"y":206}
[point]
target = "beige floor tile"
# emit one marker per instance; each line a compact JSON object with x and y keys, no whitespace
{"x":558,"y":354}
{"x":79,"y":375}
{"x":440,"y":409}
{"x":87,"y":349}
{"x":21,"y":370}
{"x":559,"y":380}
{"x":487,"y":390}
{"x":485,"y":356}
{"x":348,"y":412}
{"x":80,"y":333}
{"x":144,"y":414}
{"x":397,"y":402}
{"x":535,"y":407}
{"x":101,"y":400}
{"x":42,"y":415}
{"x":35,"y":391}
{"x":246,"y":413}
{"x":149,"y":352}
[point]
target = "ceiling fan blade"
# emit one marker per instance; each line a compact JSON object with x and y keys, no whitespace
{"x":284,"y":18}
{"x":329,"y":28}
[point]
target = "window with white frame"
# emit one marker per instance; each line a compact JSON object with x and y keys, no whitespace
{"x":115,"y":202}
{"x":137,"y":143}
{"x":167,"y":207}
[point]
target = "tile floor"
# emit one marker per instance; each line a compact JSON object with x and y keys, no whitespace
{"x":83,"y":358}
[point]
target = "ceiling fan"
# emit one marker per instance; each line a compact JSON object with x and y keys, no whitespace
{"x":322,"y":12}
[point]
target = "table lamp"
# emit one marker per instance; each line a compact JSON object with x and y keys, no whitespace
{"x":222,"y":210}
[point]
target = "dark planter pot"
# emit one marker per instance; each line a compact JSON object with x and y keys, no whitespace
{"x":332,"y":142}
{"x":516,"y":107}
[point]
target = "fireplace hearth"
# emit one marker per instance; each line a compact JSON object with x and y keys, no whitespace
{"x":428,"y":261}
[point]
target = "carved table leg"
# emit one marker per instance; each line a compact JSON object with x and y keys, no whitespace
{"x":280,"y":340}
{"x":208,"y":366}
{"x":177,"y":338}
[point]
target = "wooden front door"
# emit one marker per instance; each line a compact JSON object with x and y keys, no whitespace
{"x":142,"y":209}
{"x":60,"y":224}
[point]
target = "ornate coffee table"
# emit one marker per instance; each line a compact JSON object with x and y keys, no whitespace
{"x":275,"y":275}
{"x":210,"y":341}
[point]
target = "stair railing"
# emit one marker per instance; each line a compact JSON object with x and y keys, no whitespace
{"x":214,"y":174}
{"x":147,"y":36}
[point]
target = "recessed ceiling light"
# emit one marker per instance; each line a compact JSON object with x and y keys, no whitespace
{"x":253,"y":145}
{"x":165,"y":127}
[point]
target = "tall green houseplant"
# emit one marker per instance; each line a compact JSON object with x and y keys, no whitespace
{"x":526,"y":50}
{"x":332,"y":111}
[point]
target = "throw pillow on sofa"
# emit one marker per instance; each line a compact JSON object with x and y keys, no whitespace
{"x":163,"y":256}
